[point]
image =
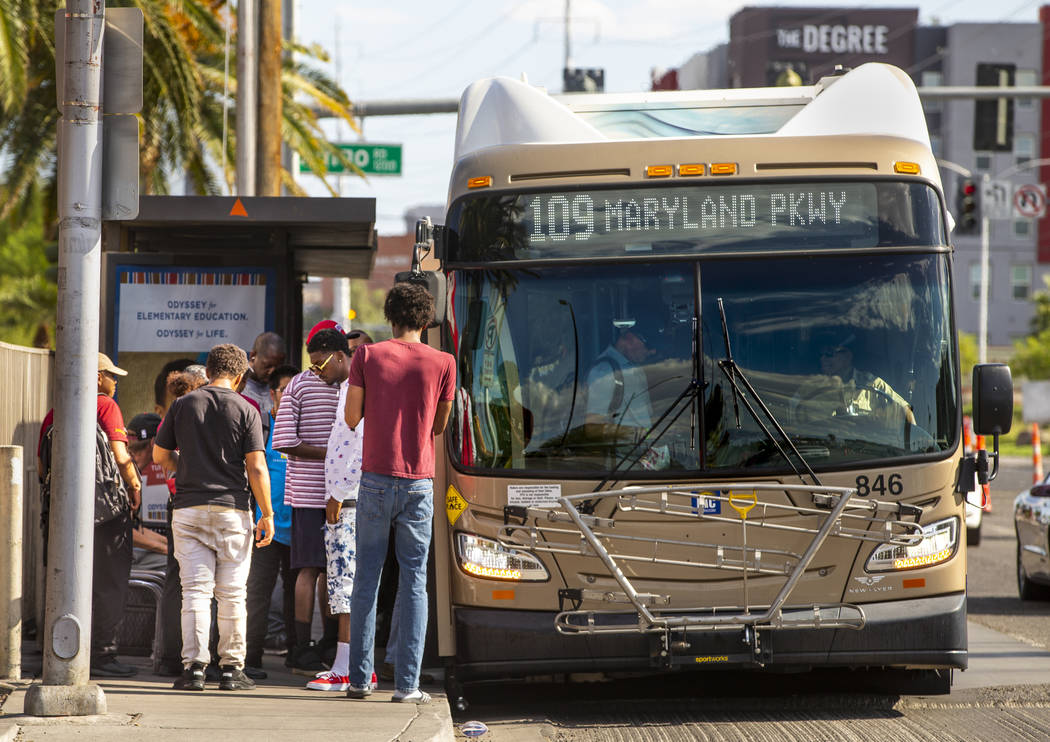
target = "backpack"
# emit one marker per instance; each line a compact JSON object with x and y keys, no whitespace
{"x":111,"y":494}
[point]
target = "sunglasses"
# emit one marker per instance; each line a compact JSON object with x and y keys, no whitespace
{"x":831,"y":352}
{"x":318,"y":369}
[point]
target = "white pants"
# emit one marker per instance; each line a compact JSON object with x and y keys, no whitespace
{"x":214,"y":547}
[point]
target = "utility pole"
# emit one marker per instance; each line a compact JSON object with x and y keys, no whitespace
{"x":268,"y":164}
{"x":246,"y":96}
{"x":67,"y":631}
{"x":982,"y":318}
{"x":568,"y":35}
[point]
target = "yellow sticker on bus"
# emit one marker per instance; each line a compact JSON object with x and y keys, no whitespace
{"x":454,"y":505}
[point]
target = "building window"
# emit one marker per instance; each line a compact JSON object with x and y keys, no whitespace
{"x":982,"y":161}
{"x":931,"y":79}
{"x":975,"y":282}
{"x":1022,"y":228}
{"x":1024,"y":148}
{"x":1021,"y":282}
{"x":1024,"y":79}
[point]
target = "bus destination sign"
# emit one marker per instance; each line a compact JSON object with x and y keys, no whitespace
{"x":847,"y":211}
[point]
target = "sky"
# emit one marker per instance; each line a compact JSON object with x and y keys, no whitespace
{"x":413,"y":49}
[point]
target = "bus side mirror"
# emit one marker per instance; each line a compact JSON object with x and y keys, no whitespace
{"x":434,"y":283}
{"x":993,"y":399}
{"x":440,"y":233}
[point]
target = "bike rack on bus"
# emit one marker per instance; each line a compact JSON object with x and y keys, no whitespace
{"x":840,"y":513}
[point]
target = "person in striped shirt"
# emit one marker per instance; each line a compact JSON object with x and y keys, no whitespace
{"x":304,"y":422}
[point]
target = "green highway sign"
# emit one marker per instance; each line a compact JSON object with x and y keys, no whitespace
{"x":373,"y":159}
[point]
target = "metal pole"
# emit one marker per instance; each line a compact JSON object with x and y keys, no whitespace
{"x":247,"y":86}
{"x":982,"y":322}
{"x":11,"y":469}
{"x":568,"y":33}
{"x":67,"y":632}
{"x":268,"y":90}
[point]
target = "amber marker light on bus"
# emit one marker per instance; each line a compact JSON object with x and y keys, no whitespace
{"x":659,"y":171}
{"x":482,"y":181}
{"x":723,"y":168}
{"x":939,"y":543}
{"x":908,"y":168}
{"x":488,"y":558}
{"x":691,"y":169}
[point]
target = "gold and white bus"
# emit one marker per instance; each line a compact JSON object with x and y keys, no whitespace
{"x":708,"y":407}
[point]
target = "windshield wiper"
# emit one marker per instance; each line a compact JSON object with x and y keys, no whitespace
{"x":737,"y":379}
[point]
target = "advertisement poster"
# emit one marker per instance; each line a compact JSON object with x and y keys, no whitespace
{"x":190,"y":309}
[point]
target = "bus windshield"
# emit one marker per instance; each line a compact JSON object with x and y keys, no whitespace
{"x":582,"y":370}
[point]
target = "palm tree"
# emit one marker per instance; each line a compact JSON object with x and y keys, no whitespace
{"x":183,"y":100}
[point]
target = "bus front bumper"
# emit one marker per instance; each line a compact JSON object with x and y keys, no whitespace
{"x":916,"y":633}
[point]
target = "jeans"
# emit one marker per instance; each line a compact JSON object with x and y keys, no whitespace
{"x":267,"y":563}
{"x":408,"y":505}
{"x":213,"y":544}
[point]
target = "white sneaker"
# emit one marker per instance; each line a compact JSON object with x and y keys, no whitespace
{"x":416,"y":696}
{"x":328,"y":680}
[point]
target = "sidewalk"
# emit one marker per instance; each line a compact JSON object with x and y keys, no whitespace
{"x":280,"y":709}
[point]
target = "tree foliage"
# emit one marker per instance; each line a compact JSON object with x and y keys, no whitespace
{"x":1031,"y":357}
{"x":184,"y":99}
{"x":27,"y":296}
{"x":185,"y":102}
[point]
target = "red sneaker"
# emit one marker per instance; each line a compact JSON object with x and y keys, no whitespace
{"x":328,"y":680}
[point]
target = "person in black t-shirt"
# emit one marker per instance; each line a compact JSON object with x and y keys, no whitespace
{"x":218,"y":435}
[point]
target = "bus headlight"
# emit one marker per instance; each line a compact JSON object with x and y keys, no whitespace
{"x":483,"y":557}
{"x":938,"y":545}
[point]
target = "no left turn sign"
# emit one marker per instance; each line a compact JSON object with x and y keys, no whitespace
{"x":1030,"y":201}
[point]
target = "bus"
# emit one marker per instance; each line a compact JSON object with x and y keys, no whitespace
{"x":708,"y":408}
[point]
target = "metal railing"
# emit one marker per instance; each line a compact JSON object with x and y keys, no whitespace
{"x":828,"y":512}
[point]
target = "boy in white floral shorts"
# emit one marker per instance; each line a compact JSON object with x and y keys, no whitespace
{"x":342,"y":473}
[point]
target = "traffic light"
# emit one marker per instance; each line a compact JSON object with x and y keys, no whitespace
{"x":583,"y":80}
{"x":967,"y":207}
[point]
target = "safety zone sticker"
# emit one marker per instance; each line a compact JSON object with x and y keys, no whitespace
{"x":454,"y":505}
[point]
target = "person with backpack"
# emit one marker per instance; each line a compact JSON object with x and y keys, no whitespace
{"x":117,"y":496}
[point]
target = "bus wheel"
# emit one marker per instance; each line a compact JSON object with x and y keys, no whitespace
{"x":454,"y":689}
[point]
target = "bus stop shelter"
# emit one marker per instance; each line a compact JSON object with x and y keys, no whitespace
{"x":193,"y":271}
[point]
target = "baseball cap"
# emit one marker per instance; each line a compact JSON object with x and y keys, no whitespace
{"x":105,"y":364}
{"x":143,"y":426}
{"x":325,"y":324}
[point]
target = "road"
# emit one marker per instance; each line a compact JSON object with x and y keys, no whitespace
{"x":1005,"y":695}
{"x":991,"y":579}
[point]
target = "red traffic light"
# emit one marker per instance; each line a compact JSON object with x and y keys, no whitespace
{"x":969,"y":188}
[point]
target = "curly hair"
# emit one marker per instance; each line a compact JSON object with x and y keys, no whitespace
{"x":181,"y":383}
{"x":166,"y":371}
{"x":409,"y":305}
{"x":226,"y":360}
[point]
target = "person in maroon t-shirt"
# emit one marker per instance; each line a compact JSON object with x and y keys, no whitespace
{"x":405,"y":388}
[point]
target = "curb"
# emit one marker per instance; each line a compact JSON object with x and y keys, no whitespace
{"x":8,"y":731}
{"x":433,"y":723}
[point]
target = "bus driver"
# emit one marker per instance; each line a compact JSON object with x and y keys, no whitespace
{"x":619,"y":409}
{"x":843,"y":390}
